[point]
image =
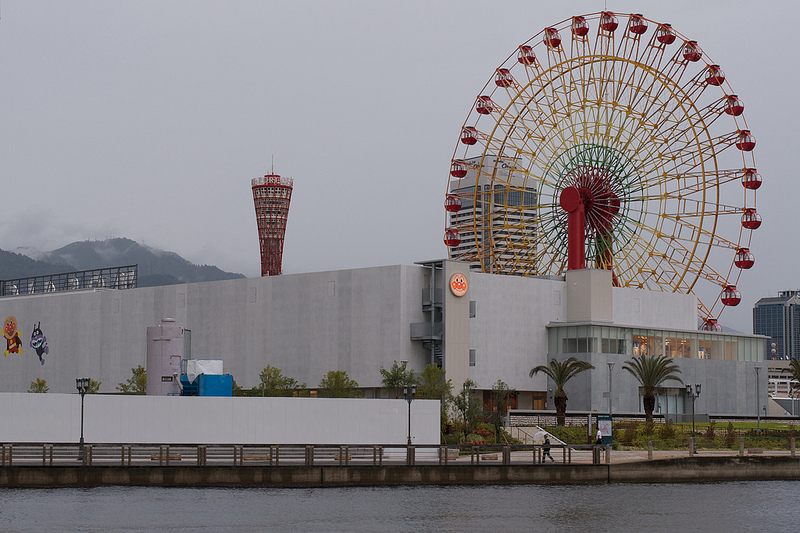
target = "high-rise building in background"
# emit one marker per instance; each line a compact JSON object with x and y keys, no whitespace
{"x":271,"y":196}
{"x":481,"y":212}
{"x":778,"y":317}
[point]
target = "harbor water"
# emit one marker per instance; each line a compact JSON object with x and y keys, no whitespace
{"x":734,"y":506}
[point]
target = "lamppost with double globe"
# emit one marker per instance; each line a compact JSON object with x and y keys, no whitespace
{"x":82,"y":384}
{"x":693,"y":394}
{"x":408,"y":395}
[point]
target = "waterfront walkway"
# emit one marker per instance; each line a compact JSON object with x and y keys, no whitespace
{"x":177,"y":455}
{"x":295,"y":466}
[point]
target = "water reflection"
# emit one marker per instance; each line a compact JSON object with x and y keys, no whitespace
{"x":742,"y":506}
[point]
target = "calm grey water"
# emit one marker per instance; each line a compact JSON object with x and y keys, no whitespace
{"x":747,"y":506}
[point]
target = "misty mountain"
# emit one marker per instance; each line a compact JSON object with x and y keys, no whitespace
{"x":14,"y":265}
{"x":156,"y":267}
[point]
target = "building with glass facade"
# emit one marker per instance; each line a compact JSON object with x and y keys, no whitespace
{"x":778,"y":318}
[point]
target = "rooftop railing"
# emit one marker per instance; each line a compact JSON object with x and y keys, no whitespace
{"x":123,"y":277}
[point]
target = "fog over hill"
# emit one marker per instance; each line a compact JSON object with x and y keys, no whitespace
{"x":156,"y":267}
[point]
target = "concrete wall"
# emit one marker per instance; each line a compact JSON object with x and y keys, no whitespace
{"x":457,"y":340}
{"x":664,"y":310}
{"x":589,"y":295}
{"x":688,"y":470}
{"x":728,"y":387}
{"x":305,"y":324}
{"x":508,"y":331}
{"x":55,"y":418}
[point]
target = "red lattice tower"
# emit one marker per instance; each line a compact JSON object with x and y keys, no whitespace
{"x":271,"y":196}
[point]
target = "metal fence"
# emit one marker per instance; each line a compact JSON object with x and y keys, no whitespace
{"x":123,"y":277}
{"x":42,"y":454}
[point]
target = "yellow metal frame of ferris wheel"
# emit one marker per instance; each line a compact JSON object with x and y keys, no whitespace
{"x":631,"y":97}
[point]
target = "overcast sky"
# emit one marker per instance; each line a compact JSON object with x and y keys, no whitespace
{"x":147,"y":120}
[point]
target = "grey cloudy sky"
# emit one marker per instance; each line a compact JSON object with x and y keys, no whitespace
{"x":147,"y":119}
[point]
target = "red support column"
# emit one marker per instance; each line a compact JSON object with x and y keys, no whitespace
{"x":572,"y":203}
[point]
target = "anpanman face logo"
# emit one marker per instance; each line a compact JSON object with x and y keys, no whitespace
{"x":458,"y":284}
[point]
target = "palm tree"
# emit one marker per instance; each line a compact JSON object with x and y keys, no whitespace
{"x":794,"y":370}
{"x":652,"y":371}
{"x":560,"y":372}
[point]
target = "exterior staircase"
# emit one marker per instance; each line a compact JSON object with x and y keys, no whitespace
{"x":531,"y":435}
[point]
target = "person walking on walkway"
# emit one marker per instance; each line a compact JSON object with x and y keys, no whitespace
{"x":546,"y":449}
{"x":599,"y":439}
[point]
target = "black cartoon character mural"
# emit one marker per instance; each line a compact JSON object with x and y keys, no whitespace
{"x":14,"y":343}
{"x":39,"y":342}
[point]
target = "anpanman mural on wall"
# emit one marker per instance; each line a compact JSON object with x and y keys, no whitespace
{"x":14,"y":343}
{"x":458,"y":284}
{"x":39,"y":342}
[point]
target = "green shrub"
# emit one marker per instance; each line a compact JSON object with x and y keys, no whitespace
{"x":667,"y":431}
{"x":452,"y":438}
{"x":505,"y":438}
{"x":486,"y":431}
{"x":474,"y":438}
{"x":730,"y":435}
{"x":629,"y":435}
{"x":710,"y":433}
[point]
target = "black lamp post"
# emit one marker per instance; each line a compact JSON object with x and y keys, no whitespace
{"x":409,"y":398}
{"x":758,"y":400}
{"x":82,"y":385}
{"x":610,"y":368}
{"x":693,"y":394}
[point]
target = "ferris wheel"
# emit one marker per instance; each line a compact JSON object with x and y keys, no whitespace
{"x":629,"y":120}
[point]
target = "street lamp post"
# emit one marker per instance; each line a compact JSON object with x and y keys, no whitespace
{"x":409,"y":397}
{"x":693,"y":394}
{"x":610,"y":367}
{"x":82,"y":384}
{"x":758,"y":400}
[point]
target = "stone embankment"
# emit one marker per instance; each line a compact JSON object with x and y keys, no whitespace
{"x":666,"y":470}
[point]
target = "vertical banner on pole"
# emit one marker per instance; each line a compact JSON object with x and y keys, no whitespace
{"x":604,"y":425}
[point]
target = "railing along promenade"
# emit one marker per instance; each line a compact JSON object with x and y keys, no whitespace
{"x":265,"y":455}
{"x":250,"y":465}
{"x":200,"y":455}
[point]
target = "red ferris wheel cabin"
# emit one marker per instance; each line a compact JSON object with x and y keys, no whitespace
{"x":692,"y":51}
{"x":551,"y":38}
{"x":751,"y":219}
{"x":730,"y":296}
{"x":734,"y":105}
{"x":665,"y":34}
{"x":452,"y":238}
{"x":637,"y":25}
{"x":744,"y":258}
{"x":608,"y":22}
{"x":714,"y":75}
{"x":579,"y":26}
{"x":751,"y":179}
{"x":526,"y":55}
{"x":746,"y":141}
